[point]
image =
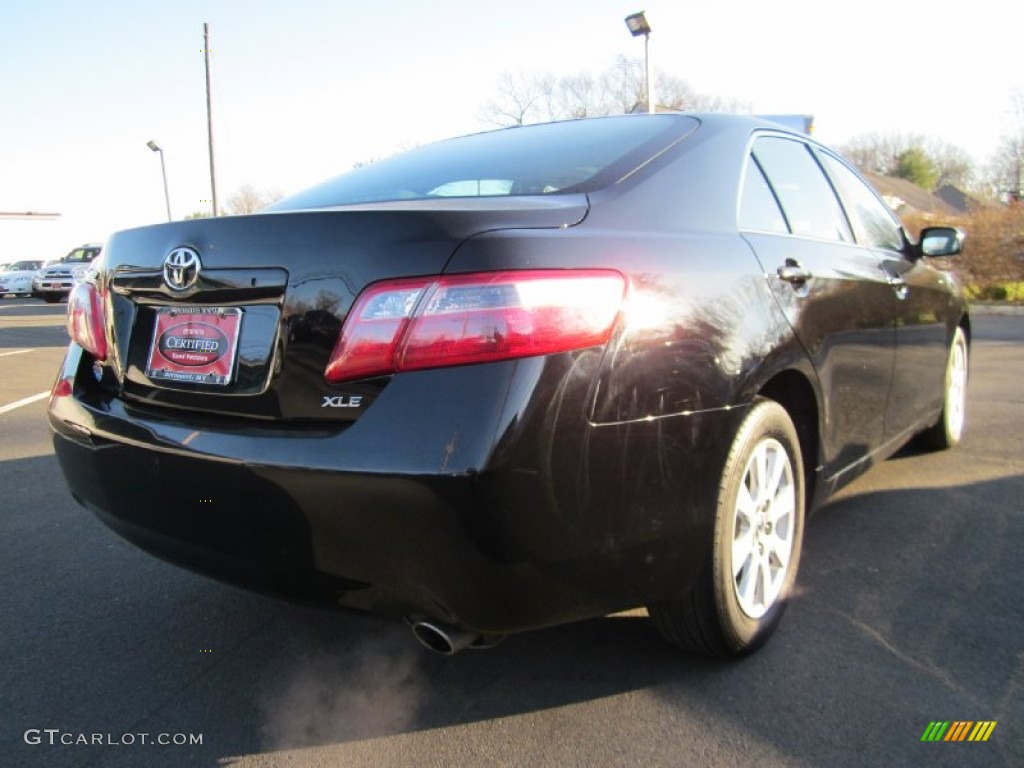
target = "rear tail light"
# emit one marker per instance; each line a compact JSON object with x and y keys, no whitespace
{"x":85,"y":320}
{"x":405,"y":325}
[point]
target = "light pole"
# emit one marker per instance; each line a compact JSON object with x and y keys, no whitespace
{"x":163,"y":169}
{"x":637,"y":24}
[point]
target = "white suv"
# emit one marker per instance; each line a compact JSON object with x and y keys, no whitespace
{"x":55,"y":282}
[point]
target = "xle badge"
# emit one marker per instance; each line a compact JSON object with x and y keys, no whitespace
{"x":341,"y":401}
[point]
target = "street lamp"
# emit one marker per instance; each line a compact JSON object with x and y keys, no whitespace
{"x":163,"y":169}
{"x":637,"y":24}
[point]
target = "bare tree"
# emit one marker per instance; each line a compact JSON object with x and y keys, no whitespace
{"x":248,"y":199}
{"x":577,"y":96}
{"x":625,"y":86}
{"x":880,"y":153}
{"x":676,"y":93}
{"x":519,"y":99}
{"x":887,"y":154}
{"x":626,"y":90}
{"x":1006,"y":171}
{"x":619,"y":89}
{"x":953,"y":164}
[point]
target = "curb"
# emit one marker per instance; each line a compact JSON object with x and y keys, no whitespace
{"x":996,"y":309}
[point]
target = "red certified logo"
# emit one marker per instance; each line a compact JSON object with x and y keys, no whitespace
{"x":193,"y":344}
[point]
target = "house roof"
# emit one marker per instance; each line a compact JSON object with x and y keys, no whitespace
{"x":906,"y":198}
{"x":955,"y":197}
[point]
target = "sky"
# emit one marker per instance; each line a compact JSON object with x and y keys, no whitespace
{"x":302,"y":90}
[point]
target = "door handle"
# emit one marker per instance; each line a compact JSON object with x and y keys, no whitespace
{"x":793,"y":272}
{"x":897,"y":283}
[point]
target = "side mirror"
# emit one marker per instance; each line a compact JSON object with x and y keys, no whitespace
{"x":941,"y":241}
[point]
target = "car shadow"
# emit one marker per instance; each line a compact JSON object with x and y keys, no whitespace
{"x":908,"y":610}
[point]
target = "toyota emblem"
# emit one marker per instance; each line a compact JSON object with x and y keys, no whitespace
{"x":181,"y":268}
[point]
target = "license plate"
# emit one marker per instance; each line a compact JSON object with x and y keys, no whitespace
{"x":195,"y":345}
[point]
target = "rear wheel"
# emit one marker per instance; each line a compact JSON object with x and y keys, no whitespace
{"x":754,"y":558}
{"x":949,"y":430}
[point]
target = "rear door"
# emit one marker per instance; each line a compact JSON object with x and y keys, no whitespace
{"x":834,"y":292}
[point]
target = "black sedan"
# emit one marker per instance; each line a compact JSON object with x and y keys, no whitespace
{"x":517,"y":378}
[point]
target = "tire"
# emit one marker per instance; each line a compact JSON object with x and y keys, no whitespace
{"x":759,"y":521}
{"x":949,"y":430}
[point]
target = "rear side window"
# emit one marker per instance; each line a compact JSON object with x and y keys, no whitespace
{"x":759,"y":210}
{"x":874,"y":223}
{"x":806,"y":196}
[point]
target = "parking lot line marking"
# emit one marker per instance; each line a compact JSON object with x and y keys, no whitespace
{"x":16,"y":352}
{"x":24,"y":401}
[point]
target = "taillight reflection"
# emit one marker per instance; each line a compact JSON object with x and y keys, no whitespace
{"x":85,"y":320}
{"x":406,"y":325}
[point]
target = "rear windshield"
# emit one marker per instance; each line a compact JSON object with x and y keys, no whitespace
{"x":566,"y":157}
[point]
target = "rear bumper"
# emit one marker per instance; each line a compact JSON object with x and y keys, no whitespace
{"x":390,"y":544}
{"x":510,"y":522}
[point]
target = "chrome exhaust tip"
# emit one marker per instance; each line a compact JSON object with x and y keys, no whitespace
{"x":442,"y":638}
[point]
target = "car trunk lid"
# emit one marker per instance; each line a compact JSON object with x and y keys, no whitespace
{"x":251,"y":331}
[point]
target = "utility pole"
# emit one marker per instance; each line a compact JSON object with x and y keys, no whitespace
{"x":209,"y":119}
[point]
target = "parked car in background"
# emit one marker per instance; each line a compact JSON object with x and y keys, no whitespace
{"x":55,"y":282}
{"x":518,"y":378}
{"x":16,"y":278}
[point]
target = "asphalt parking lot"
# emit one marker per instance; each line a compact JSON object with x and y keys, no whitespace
{"x":909,"y":611}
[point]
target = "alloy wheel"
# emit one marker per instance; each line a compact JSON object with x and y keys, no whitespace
{"x":763,"y":528}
